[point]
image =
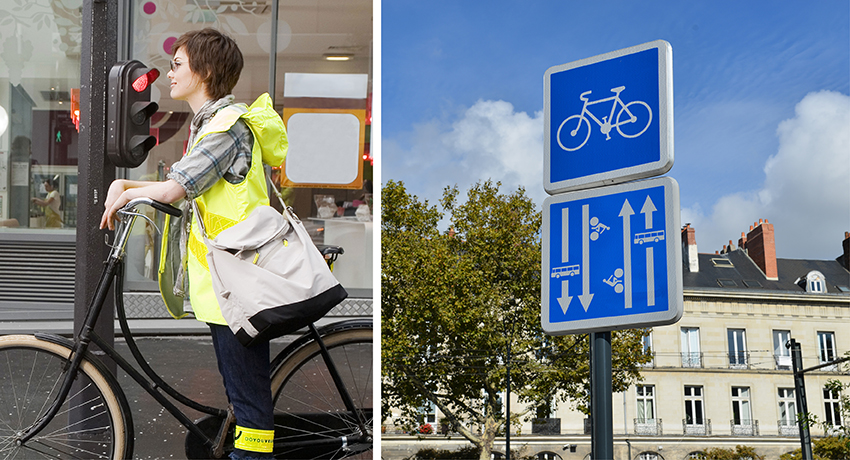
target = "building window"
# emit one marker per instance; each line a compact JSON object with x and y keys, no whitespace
{"x":787,"y":407}
{"x":741,"y":414}
{"x":647,"y":348}
{"x":648,"y":456}
{"x":690,"y":347}
{"x":826,"y":346}
{"x":737,"y":348}
{"x":646,"y":403}
{"x":815,"y":282}
{"x":693,"y":405}
{"x":781,"y":353}
{"x":832,"y":407}
{"x":428,"y":412}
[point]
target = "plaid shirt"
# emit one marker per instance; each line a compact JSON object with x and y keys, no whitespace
{"x":224,"y":155}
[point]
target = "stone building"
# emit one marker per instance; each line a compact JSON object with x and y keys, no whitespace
{"x":721,"y":376}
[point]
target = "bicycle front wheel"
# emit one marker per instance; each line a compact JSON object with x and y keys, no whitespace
{"x":577,"y":133}
{"x":638,"y":117}
{"x":311,"y":420}
{"x":93,"y":422}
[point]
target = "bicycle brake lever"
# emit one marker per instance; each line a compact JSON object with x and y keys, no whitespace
{"x":138,"y":214}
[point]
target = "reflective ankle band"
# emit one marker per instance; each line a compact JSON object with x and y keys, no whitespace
{"x":253,"y":440}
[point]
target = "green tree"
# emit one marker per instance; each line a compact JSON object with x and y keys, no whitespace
{"x":452,"y":301}
{"x":835,"y":446}
{"x":827,"y":448}
{"x":740,"y":453}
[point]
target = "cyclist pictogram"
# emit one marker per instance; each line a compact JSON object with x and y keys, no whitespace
{"x":631,"y":121}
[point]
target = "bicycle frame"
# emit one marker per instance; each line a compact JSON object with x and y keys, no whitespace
{"x":151,"y":382}
{"x":607,"y":122}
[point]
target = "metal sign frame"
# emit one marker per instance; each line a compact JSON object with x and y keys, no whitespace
{"x":587,"y":167}
{"x":625,"y":238}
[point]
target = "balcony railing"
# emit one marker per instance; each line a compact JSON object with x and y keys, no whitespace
{"x":691,"y":429}
{"x":739,"y":360}
{"x":745,"y":427}
{"x":788,"y":428}
{"x":691,"y":359}
{"x":648,"y":427}
{"x":782,"y":362}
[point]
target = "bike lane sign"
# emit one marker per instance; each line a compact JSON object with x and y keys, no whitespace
{"x":611,"y":258}
{"x":609,"y":118}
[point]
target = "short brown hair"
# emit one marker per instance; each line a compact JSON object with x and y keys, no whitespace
{"x":214,"y":57}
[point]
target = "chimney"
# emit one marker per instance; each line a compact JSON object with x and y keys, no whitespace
{"x":689,"y":248}
{"x":844,"y":259}
{"x":761,"y":247}
{"x":742,"y":242}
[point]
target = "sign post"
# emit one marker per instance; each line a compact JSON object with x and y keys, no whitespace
{"x":610,"y":249}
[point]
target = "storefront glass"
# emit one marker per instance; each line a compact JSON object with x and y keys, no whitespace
{"x":320,"y":43}
{"x":39,"y":93}
{"x":308,"y":34}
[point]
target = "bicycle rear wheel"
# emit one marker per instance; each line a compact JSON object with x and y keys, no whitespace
{"x":308,"y":406}
{"x":94,"y":421}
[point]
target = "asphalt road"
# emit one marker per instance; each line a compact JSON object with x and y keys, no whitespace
{"x":188,"y":364}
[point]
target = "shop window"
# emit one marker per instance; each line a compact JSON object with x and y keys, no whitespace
{"x":38,"y":132}
{"x":336,"y":208}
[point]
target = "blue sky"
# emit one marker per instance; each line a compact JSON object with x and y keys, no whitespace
{"x":761,"y":103}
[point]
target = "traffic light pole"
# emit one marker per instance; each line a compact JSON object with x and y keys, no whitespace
{"x":800,"y":393}
{"x":98,"y":54}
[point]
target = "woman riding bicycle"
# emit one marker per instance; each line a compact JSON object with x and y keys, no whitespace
{"x":222,"y":171}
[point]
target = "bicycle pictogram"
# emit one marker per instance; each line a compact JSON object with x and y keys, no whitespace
{"x":630,"y":114}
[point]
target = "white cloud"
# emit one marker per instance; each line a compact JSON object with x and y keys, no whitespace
{"x":805,"y":192}
{"x":488,"y":141}
{"x":806,"y":189}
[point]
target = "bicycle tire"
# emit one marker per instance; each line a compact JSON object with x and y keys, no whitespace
{"x":31,"y":372}
{"x":626,"y":110}
{"x":576,"y":131}
{"x":308,"y":406}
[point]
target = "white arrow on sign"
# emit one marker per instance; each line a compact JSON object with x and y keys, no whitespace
{"x":565,"y":235}
{"x":565,"y":298}
{"x":647,"y":210}
{"x":626,"y":212}
{"x":585,"y":297}
{"x":650,"y":277}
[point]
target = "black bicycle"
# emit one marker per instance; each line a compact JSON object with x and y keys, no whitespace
{"x":58,"y":400}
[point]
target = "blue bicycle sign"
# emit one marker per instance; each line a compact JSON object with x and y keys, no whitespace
{"x":636,"y":113}
{"x":608,"y":119}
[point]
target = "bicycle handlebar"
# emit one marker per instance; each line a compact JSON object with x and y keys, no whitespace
{"x":158,"y":205}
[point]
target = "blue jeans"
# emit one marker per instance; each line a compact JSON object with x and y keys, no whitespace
{"x":247,"y":381}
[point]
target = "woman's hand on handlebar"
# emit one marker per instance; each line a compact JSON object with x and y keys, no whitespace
{"x":122,"y":191}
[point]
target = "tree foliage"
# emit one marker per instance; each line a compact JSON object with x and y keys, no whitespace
{"x":739,"y":453}
{"x":452,"y":301}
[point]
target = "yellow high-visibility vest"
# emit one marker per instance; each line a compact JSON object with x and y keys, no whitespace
{"x":226,"y":204}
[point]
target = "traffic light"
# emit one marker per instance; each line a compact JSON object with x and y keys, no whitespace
{"x":128,"y":113}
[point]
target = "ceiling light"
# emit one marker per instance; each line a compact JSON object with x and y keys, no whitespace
{"x":338,"y":57}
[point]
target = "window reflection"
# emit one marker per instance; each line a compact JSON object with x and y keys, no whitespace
{"x":306,"y":36}
{"x":39,"y":77}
